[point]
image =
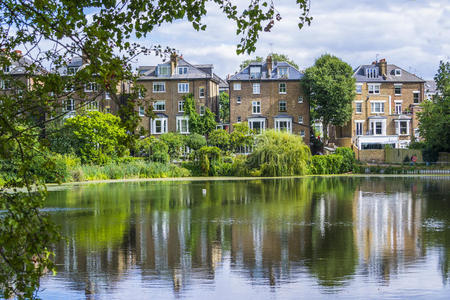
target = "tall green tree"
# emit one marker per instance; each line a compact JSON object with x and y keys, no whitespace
{"x":434,"y":119}
{"x":330,"y":88}
{"x":275,"y":57}
{"x":103,"y":32}
{"x":224,"y":108}
{"x":201,"y":124}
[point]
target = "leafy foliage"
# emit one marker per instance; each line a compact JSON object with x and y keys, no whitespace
{"x":174,"y":142}
{"x":224,"y":108}
{"x":330,"y":87}
{"x":219,"y":138}
{"x":98,"y":136}
{"x":434,"y":119}
{"x":280,"y":154}
{"x":241,"y":136}
{"x":159,"y":151}
{"x":348,"y":159}
{"x":198,"y":124}
{"x":275,"y":57}
{"x":195,"y":141}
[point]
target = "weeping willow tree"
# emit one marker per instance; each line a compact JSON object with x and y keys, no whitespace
{"x":280,"y":154}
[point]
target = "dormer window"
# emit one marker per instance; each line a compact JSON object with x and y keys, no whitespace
{"x":163,"y":70}
{"x":255,"y":72}
{"x":283,"y":72}
{"x":182,"y":70}
{"x":372,"y":72}
{"x":398,"y":72}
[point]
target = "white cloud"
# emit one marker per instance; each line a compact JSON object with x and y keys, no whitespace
{"x":411,"y":34}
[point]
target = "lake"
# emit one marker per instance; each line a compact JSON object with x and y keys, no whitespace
{"x":315,"y":237}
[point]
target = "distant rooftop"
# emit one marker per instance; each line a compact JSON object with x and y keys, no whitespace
{"x":279,"y":71}
{"x":373,"y":73}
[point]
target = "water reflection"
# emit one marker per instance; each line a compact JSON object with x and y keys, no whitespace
{"x":337,"y":232}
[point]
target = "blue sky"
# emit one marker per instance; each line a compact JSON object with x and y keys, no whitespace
{"x":413,"y":34}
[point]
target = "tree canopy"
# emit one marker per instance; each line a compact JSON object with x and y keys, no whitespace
{"x":434,"y":119}
{"x":275,"y":57}
{"x":103,"y":32}
{"x":330,"y":87}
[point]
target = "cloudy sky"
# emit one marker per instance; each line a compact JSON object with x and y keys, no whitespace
{"x":413,"y":34}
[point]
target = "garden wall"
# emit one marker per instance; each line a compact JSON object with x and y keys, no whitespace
{"x":370,"y":155}
{"x":397,"y":156}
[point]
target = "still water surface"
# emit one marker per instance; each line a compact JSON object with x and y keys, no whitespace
{"x":338,"y":237}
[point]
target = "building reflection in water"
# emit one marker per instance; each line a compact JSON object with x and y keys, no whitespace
{"x":267,"y":232}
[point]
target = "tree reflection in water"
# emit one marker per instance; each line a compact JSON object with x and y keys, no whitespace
{"x":268,"y":232}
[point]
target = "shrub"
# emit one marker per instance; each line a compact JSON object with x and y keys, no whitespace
{"x":241,"y":136}
{"x":159,"y":151}
{"x":219,"y":138}
{"x":326,"y":164}
{"x":195,"y":141}
{"x":204,"y":157}
{"x":349,"y":160}
{"x":174,"y":142}
{"x":280,"y":154}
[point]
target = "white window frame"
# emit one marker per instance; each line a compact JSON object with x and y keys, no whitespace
{"x":373,"y":106}
{"x":359,"y":88}
{"x":159,"y":83}
{"x":238,"y":100}
{"x":201,"y":92}
{"x":359,"y":130}
{"x":72,"y":70}
{"x":256,"y":107}
{"x":397,"y":85}
{"x":180,"y":121}
{"x":91,"y":87}
{"x":374,"y":88}
{"x":398,"y":72}
{"x":300,"y":99}
{"x":302,"y":132}
{"x":237,"y":86}
{"x":5,"y":84}
{"x":257,"y":120}
{"x":92,"y":105}
{"x":300,"y":119}
{"x":256,"y":88}
{"x":160,"y":68}
{"x":6,"y":69}
{"x":72,"y":105}
{"x":202,"y":110}
{"x":141,"y":111}
{"x":279,"y":106}
{"x":159,"y":102}
{"x":107,"y":96}
{"x":182,"y":70}
{"x":398,"y":103}
{"x":282,"y":88}
{"x":254,"y":74}
{"x":283,"y":71}
{"x":418,"y":97}
{"x":181,"y":106}
{"x":182,"y":87}
{"x":288,"y":121}
{"x":358,"y":103}
{"x":398,"y":127}
{"x":373,"y":127}
{"x":163,"y":121}
{"x":238,"y":119}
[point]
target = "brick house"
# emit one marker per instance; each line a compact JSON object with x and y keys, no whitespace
{"x":166,"y":84}
{"x":385,"y":108}
{"x":269,"y":95}
{"x":88,"y":97}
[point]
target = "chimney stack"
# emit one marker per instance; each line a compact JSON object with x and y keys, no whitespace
{"x":173,"y":63}
{"x":383,"y":67}
{"x":269,"y":66}
{"x":18,"y":52}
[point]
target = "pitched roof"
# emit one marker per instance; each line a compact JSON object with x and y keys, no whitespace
{"x":360,"y":74}
{"x":292,"y":74}
{"x":194,"y":71}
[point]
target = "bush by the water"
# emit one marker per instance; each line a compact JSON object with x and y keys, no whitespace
{"x":280,"y":154}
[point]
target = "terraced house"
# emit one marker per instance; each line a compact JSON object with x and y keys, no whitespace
{"x":167,"y":84}
{"x":385,"y":108}
{"x":88,"y":97}
{"x":269,"y":95}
